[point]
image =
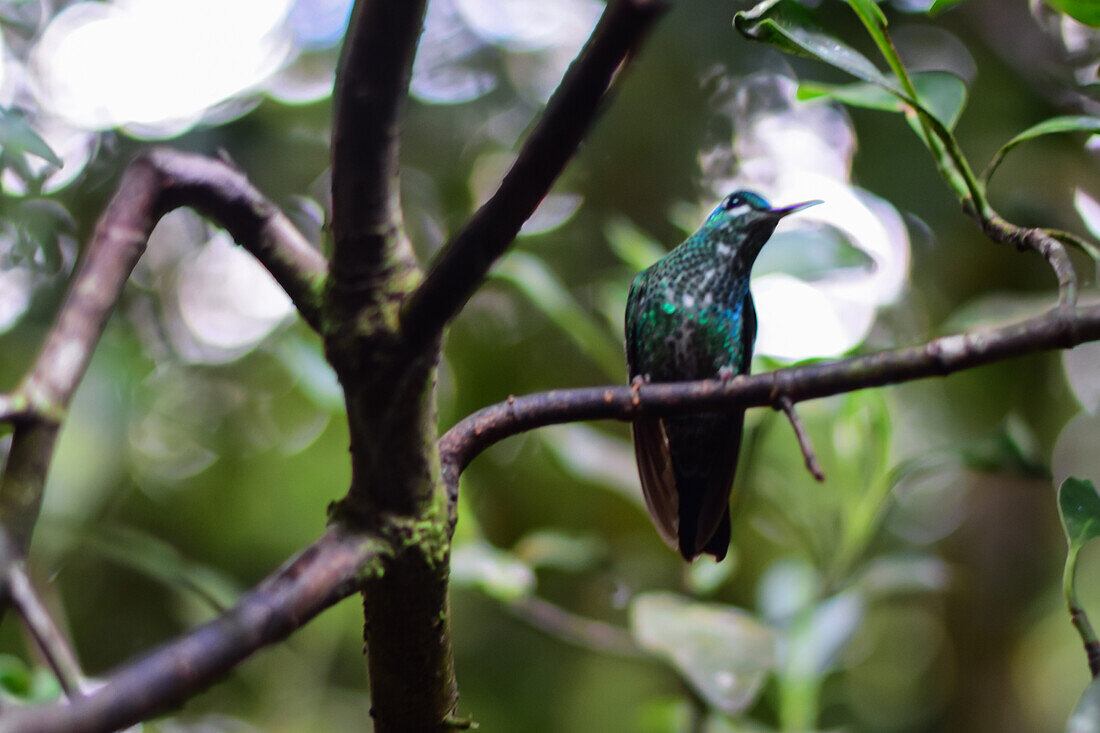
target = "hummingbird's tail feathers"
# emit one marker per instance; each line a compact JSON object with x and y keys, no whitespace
{"x":719,"y":542}
{"x":704,"y":450}
{"x":658,"y":481}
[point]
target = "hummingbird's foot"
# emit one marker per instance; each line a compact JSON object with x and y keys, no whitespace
{"x":726,"y":373}
{"x":638,"y":381}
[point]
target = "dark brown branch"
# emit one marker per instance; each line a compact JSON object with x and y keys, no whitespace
{"x":1038,"y":240}
{"x":812,"y":464}
{"x":1062,"y":328}
{"x":371,"y":88}
{"x":328,"y":571}
{"x":223,"y":194}
{"x":461,"y":266}
{"x":53,"y":645}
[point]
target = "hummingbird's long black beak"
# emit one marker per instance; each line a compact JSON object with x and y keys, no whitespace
{"x":780,"y":213}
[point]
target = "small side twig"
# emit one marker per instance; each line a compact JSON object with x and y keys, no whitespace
{"x":51,"y":642}
{"x":783,"y":402}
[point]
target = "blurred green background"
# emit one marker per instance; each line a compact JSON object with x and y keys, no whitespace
{"x":917,"y":589}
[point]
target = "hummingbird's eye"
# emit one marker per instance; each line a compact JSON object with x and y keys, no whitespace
{"x":732,"y":201}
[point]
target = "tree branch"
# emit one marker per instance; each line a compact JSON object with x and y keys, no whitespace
{"x":371,"y":88}
{"x":153,"y":184}
{"x":1061,"y":328}
{"x":462,"y":264}
{"x":327,"y":571}
{"x":224,"y":195}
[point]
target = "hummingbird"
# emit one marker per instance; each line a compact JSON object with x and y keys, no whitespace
{"x":691,"y":316}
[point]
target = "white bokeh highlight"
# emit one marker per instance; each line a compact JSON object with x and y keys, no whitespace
{"x":794,"y":151}
{"x":156,"y":64}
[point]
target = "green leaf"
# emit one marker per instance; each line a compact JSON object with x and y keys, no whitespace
{"x":17,"y":136}
{"x":871,"y":14}
{"x":1079,"y":508}
{"x":531,"y":277}
{"x":1086,"y":716}
{"x":940,"y":5}
{"x":790,"y":27}
{"x":722,"y":651}
{"x":1084,"y":11}
{"x":1046,"y":127}
{"x":942,"y":92}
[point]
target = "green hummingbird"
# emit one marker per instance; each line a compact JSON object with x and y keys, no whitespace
{"x":691,"y":316}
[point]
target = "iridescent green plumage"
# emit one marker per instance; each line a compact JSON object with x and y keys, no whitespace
{"x":691,"y":316}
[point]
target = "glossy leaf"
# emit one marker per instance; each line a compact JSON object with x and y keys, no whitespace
{"x":1079,"y":508}
{"x":722,"y":651}
{"x":939,"y":6}
{"x":790,"y":27}
{"x":943,"y":93}
{"x":1083,"y":11}
{"x":1054,"y":125}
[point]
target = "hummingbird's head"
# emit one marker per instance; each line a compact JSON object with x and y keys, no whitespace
{"x":745,"y":220}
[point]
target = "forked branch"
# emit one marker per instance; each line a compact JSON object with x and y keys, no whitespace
{"x":462,"y":264}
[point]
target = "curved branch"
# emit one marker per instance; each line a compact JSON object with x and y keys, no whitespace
{"x":327,"y":571}
{"x":463,"y":263}
{"x":1038,"y":240}
{"x":224,"y":195}
{"x":152,"y":185}
{"x":1061,"y":328}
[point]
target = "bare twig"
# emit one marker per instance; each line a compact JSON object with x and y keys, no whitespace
{"x":371,"y":88}
{"x":463,"y":263}
{"x":573,"y":629}
{"x":326,"y":572}
{"x":783,"y":402}
{"x":51,"y":642}
{"x":1061,"y":328}
{"x":1041,"y":241}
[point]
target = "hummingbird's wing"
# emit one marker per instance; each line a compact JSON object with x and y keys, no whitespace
{"x":650,"y":442}
{"x":658,"y":482}
{"x":703,"y":453}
